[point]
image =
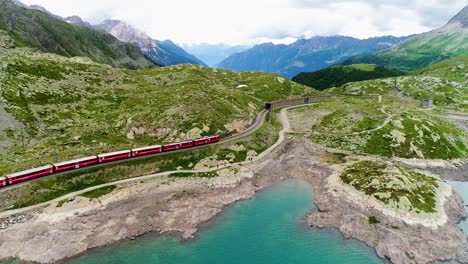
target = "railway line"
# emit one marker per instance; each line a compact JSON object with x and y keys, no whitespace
{"x":284,"y":122}
{"x":258,"y":122}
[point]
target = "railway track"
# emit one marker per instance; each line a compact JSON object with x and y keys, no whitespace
{"x":288,"y":103}
{"x":256,"y":124}
{"x":260,"y":119}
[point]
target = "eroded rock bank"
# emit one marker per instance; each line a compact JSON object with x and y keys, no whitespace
{"x":167,"y":205}
{"x":161,"y":205}
{"x":398,"y":237}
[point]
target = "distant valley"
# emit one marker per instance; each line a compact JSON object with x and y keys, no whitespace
{"x":212,"y":54}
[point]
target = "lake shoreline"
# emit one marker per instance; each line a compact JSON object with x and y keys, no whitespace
{"x":183,"y":206}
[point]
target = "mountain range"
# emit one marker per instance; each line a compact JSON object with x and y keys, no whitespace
{"x":36,"y":28}
{"x":162,"y":53}
{"x":305,"y":54}
{"x":425,"y":49}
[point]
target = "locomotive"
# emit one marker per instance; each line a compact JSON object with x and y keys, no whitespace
{"x":101,"y":159}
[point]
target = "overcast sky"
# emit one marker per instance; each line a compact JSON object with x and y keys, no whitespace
{"x":255,"y":21}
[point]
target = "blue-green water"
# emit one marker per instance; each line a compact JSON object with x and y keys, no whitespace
{"x":462,"y":189}
{"x":266,"y":229}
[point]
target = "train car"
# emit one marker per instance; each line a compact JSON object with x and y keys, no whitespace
{"x":75,"y":164}
{"x":138,"y":152}
{"x":30,"y":174}
{"x":3,"y":181}
{"x":113,"y":156}
{"x":178,"y":145}
{"x":215,"y":139}
{"x":206,"y":140}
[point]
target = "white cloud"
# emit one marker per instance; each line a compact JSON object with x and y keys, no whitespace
{"x":254,"y":21}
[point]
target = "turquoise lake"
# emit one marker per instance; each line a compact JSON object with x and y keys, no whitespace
{"x":267,"y":229}
{"x":462,"y":189}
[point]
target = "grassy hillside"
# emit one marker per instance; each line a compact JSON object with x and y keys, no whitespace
{"x":398,"y":126}
{"x":55,"y":108}
{"x":445,"y":81}
{"x":424,"y":49}
{"x":39,"y":30}
{"x":399,"y":187}
{"x":338,"y":75}
{"x":394,"y":128}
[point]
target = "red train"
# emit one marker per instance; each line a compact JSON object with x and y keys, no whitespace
{"x":101,"y":158}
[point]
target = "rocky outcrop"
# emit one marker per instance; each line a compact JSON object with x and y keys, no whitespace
{"x":164,"y":53}
{"x":167,"y":205}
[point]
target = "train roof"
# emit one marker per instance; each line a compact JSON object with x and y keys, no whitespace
{"x":147,"y":148}
{"x":114,"y":153}
{"x":30,"y":171}
{"x":2,"y":178}
{"x":205,"y":137}
{"x":180,"y":142}
{"x":74,"y":161}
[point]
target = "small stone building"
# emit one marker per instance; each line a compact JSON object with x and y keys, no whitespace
{"x":428,"y":103}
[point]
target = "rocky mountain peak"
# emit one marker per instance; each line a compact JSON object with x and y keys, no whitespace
{"x":124,"y":31}
{"x":18,"y":3}
{"x":76,"y":20}
{"x":461,"y":17}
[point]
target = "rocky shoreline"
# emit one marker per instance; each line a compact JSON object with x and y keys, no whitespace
{"x":180,"y":205}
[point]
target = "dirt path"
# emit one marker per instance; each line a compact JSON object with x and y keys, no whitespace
{"x":156,"y":203}
{"x":283,"y":119}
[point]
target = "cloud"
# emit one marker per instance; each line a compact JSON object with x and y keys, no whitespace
{"x":255,"y":21}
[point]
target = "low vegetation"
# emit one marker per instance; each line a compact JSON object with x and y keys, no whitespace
{"x":99,"y":192}
{"x":398,"y":187}
{"x":210,"y":174}
{"x":62,"y":202}
{"x":445,"y":82}
{"x":57,"y":108}
{"x":208,"y":157}
{"x":338,"y":75}
{"x":405,"y":133}
{"x":373,"y":220}
{"x":397,"y":126}
{"x":424,"y":49}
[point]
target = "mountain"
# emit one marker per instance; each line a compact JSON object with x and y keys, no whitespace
{"x":338,"y":75}
{"x":213,"y":54}
{"x":33,"y":28}
{"x":35,"y":7}
{"x":425,"y":49}
{"x":164,"y":53}
{"x":76,"y":20}
{"x":305,"y":55}
{"x":79,"y":107}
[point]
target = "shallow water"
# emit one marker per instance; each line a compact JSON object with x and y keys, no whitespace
{"x":266,"y":229}
{"x":462,"y":189}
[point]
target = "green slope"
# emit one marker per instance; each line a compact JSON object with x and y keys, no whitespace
{"x":338,"y":75}
{"x":39,"y":30}
{"x":397,"y":126}
{"x":425,"y":49}
{"x":62,"y":107}
{"x":446,"y":82}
